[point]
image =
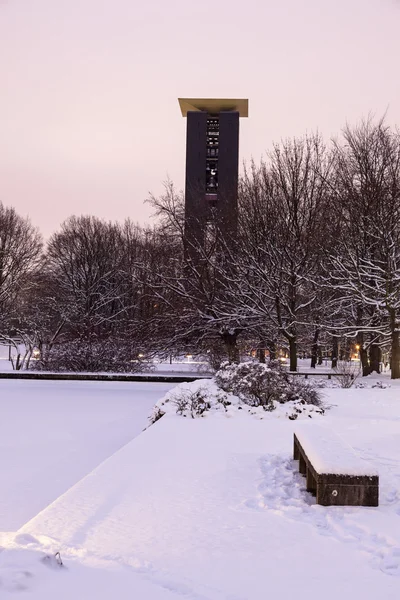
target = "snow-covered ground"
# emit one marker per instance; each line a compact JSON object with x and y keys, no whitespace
{"x":210,"y":509}
{"x":5,"y":364}
{"x":52,"y":433}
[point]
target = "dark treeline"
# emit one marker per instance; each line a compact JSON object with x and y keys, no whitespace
{"x":314,"y":269}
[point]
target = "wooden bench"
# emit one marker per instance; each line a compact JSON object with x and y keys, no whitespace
{"x":334,"y":473}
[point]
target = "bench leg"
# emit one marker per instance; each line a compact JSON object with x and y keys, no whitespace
{"x":311,"y":483}
{"x":296,"y":451}
{"x":302,"y":465}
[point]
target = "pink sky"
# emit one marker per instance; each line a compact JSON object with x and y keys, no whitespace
{"x":89,"y":116}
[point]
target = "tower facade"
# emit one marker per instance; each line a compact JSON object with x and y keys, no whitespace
{"x":212,"y":164}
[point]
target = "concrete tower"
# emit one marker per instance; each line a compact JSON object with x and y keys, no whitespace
{"x":212,"y":162}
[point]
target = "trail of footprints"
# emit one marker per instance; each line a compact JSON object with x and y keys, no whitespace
{"x":283,"y":491}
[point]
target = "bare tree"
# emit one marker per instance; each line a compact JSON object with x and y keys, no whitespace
{"x":85,"y":269}
{"x":365,"y":269}
{"x":20,"y":251}
{"x":192,"y":283}
{"x":283,"y":216}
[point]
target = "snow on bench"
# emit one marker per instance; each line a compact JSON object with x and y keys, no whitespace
{"x":330,"y":454}
{"x":334,"y":471}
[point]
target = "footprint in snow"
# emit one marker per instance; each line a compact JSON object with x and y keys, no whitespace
{"x":14,"y":580}
{"x":282,"y":491}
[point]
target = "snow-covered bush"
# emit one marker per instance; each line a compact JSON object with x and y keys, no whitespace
{"x":191,"y":400}
{"x":324,"y":382}
{"x":156,"y":414}
{"x":305,"y":392}
{"x":367,"y":383}
{"x":108,"y":355}
{"x":380,"y":385}
{"x":361,"y":385}
{"x":203,"y":398}
{"x":299,"y":407}
{"x":191,"y":403}
{"x":246,"y":389}
{"x":264,"y":385}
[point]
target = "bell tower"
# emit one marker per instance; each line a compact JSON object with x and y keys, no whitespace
{"x":212,"y":165}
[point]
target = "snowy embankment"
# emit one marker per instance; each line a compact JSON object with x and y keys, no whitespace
{"x":213,"y":508}
{"x":53,"y":433}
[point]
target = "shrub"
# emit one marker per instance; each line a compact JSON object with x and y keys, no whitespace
{"x":263,"y":385}
{"x":156,"y":415}
{"x":191,"y":400}
{"x":305,"y":392}
{"x":347,"y":373}
{"x":380,"y":385}
{"x":191,"y":403}
{"x":110,"y":355}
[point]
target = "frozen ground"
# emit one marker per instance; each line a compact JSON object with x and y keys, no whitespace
{"x":52,"y":433}
{"x":214,"y":509}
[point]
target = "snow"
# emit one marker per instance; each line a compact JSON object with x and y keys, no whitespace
{"x":26,"y":571}
{"x":52,"y":433}
{"x":183,"y":366}
{"x":212,"y":509}
{"x":5,"y":364}
{"x":329,"y":454}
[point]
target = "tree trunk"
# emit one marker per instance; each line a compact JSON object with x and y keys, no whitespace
{"x":347,"y":351}
{"x":363,"y":355}
{"x":271,"y":345}
{"x":314,"y":349}
{"x":375,"y":357}
{"x":261,"y":355}
{"x":395,"y":363}
{"x":335,"y":351}
{"x":293,"y":354}
{"x":232,"y":350}
{"x":319,"y":356}
{"x":364,"y":362}
{"x":18,"y":362}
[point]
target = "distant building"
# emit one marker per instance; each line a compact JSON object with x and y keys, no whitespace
{"x":212,"y":164}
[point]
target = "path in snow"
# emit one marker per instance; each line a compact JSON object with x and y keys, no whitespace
{"x":52,"y":433}
{"x":283,"y":492}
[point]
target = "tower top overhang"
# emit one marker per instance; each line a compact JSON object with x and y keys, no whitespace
{"x":214,"y":106}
